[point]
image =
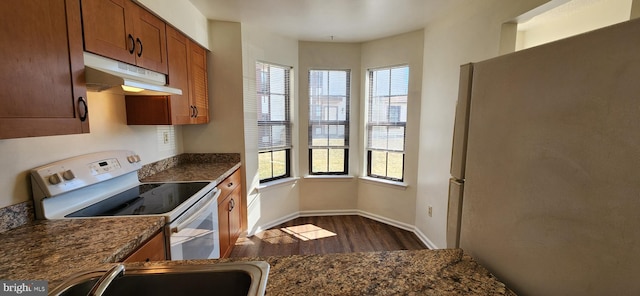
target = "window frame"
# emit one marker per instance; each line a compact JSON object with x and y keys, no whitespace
{"x":389,"y":123}
{"x":261,"y":92}
{"x":328,"y":123}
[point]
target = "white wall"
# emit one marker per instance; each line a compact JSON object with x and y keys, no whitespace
{"x":109,"y":130}
{"x":183,"y":16}
{"x":391,"y":201}
{"x":468,"y":34}
{"x":267,"y":205}
{"x":571,"y":19}
{"x":329,"y":193}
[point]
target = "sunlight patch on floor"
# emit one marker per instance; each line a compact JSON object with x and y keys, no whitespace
{"x":308,"y":232}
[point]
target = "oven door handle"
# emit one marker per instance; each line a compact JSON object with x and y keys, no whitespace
{"x":197,"y":214}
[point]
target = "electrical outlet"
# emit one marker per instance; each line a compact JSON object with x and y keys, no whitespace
{"x":430,"y":211}
{"x":165,"y":137}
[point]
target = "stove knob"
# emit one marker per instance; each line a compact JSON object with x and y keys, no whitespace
{"x":54,"y":179}
{"x":68,"y":175}
{"x":131,"y":159}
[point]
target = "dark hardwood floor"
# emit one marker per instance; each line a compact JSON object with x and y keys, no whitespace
{"x":326,"y":234}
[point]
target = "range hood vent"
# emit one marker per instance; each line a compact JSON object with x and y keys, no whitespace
{"x":103,"y":74}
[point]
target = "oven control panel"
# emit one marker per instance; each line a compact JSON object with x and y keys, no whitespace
{"x":84,"y":170}
{"x":104,"y":166}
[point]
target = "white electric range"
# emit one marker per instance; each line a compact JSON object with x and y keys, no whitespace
{"x":105,"y":184}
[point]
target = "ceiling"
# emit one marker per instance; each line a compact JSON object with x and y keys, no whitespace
{"x":327,"y":20}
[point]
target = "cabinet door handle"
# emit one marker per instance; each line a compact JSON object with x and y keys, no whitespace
{"x":193,"y":111}
{"x":139,"y":43}
{"x":232,"y":204}
{"x":84,"y":112}
{"x":133,"y":44}
{"x":195,"y":108}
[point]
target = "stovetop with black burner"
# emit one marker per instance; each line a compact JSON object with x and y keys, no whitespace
{"x":145,"y":199}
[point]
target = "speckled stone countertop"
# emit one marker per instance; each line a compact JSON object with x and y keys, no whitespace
{"x":418,"y":272}
{"x":52,"y":250}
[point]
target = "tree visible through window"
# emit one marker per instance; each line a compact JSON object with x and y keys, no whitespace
{"x":329,"y":121}
{"x":274,"y":124}
{"x":386,"y":122}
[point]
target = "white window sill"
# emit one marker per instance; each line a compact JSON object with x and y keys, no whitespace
{"x":277,"y":183}
{"x":329,"y":177}
{"x":386,"y":183}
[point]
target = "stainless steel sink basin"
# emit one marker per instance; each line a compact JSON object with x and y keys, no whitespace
{"x":238,"y":278}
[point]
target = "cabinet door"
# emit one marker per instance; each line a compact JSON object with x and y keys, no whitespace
{"x":178,"y":53}
{"x":199,"y":85}
{"x":153,"y":250}
{"x":42,"y":70}
{"x":108,"y":29}
{"x":235,"y":217}
{"x":151,"y":43}
{"x":223,"y":226}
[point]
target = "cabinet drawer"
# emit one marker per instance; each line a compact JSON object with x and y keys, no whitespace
{"x":228,"y":185}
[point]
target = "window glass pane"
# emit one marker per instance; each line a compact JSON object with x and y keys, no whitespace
{"x":264,"y":165}
{"x":337,"y":82}
{"x":399,"y":81}
{"x":319,"y":135}
{"x":378,"y":163}
{"x":395,"y":138}
{"x":337,"y":136}
{"x":277,"y":81}
{"x":394,"y":165}
{"x":378,"y":137}
{"x":336,"y":160}
{"x":279,"y":163}
{"x":278,"y":108}
{"x":380,"y":83}
{"x":378,"y":108}
{"x":320,"y":160}
{"x":278,"y":136}
{"x":263,"y":107}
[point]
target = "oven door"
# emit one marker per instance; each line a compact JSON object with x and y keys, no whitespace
{"x":194,"y":235}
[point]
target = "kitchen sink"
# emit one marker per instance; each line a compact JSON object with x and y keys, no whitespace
{"x":238,"y":278}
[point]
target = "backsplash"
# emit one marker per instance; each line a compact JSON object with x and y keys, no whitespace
{"x":167,"y":163}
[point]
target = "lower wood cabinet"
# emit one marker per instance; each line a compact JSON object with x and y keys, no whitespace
{"x":153,"y":250}
{"x":230,"y":213}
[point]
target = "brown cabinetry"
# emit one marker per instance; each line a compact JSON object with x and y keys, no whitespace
{"x":188,"y":72}
{"x":122,"y":30}
{"x":153,"y":250}
{"x":230,"y":213}
{"x":42,"y":89}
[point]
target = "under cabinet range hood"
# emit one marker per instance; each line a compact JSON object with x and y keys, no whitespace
{"x":104,"y":74}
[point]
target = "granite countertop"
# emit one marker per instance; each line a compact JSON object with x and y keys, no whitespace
{"x":417,"y":272}
{"x":52,"y":250}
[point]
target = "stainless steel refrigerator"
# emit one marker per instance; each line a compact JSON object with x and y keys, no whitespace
{"x":545,"y":188}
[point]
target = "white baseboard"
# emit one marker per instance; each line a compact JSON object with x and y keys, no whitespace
{"x":408,"y":227}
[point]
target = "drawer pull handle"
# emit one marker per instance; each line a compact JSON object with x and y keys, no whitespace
{"x":230,"y":184}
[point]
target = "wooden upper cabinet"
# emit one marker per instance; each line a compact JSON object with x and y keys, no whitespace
{"x":178,"y":52}
{"x":188,"y":72}
{"x":42,"y":71}
{"x":122,"y":30}
{"x":199,"y":93}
